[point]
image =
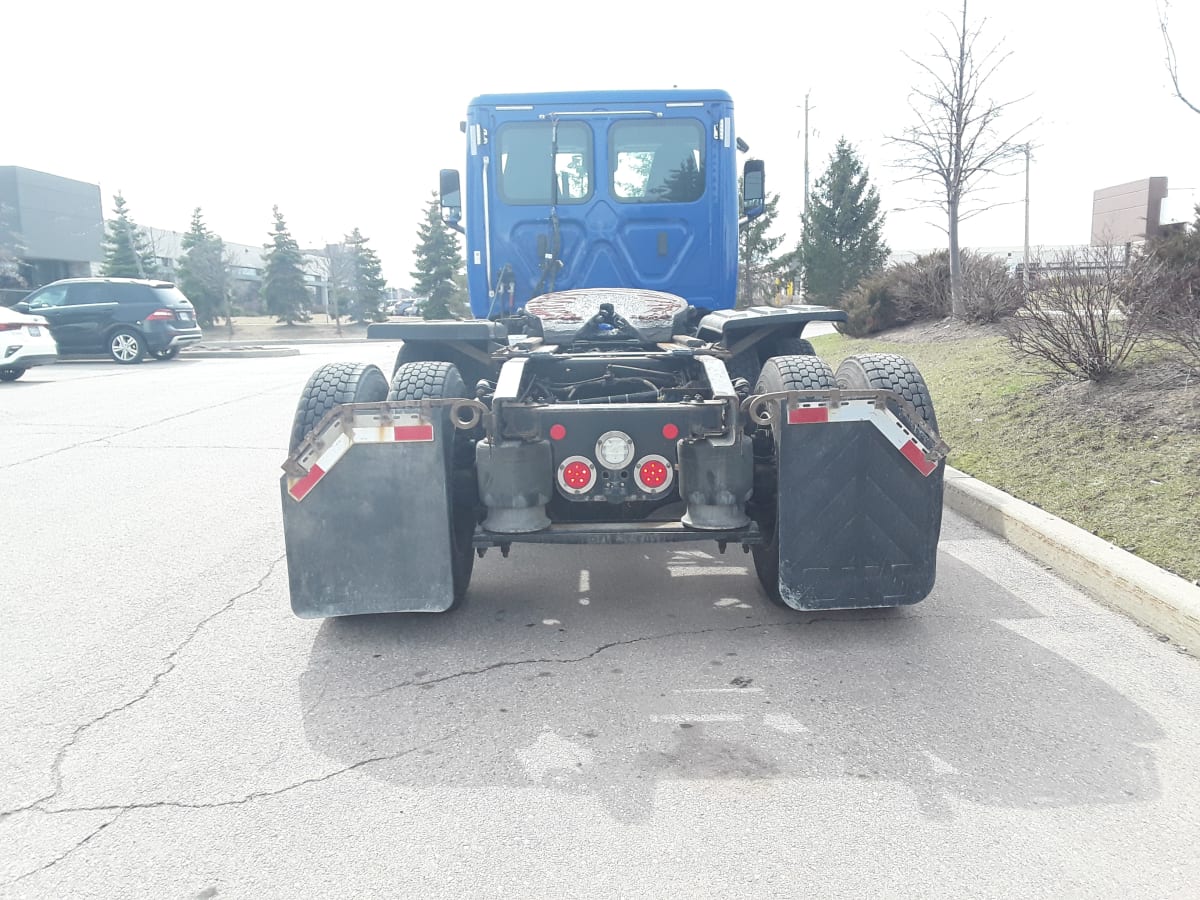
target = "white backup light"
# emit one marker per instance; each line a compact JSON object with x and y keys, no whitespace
{"x":615,"y":449}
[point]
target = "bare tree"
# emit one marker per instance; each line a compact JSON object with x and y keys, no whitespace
{"x":957,"y":140}
{"x":1172,"y":61}
{"x":340,"y":279}
{"x":1089,"y":312}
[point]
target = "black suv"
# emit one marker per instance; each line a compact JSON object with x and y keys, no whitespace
{"x":126,"y":318}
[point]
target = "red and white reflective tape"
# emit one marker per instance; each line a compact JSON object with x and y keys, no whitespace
{"x":900,"y":437}
{"x":331,"y":445}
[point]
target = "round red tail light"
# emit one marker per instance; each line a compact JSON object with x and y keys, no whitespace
{"x":654,"y":474}
{"x":576,"y":475}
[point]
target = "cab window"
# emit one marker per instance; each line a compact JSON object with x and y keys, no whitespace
{"x":527,"y":175}
{"x":657,"y":162}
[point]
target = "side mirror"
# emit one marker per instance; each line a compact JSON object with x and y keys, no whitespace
{"x":21,"y":307}
{"x":451,"y":196}
{"x":754,"y":191}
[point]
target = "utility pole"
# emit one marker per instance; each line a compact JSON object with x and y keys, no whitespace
{"x":806,"y":108}
{"x":795,"y":274}
{"x":1025,"y":258}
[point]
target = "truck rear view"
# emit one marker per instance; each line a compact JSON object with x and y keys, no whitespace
{"x":608,"y":391}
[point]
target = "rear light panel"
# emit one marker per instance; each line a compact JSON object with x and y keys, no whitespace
{"x":10,"y":326}
{"x":161,"y":315}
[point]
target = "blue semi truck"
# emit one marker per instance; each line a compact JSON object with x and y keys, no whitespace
{"x":607,"y":390}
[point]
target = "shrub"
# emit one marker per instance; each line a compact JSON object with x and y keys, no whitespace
{"x":1087,"y":313}
{"x":1177,"y":319}
{"x":917,"y":290}
{"x":923,"y":287}
{"x":990,"y":293}
{"x":871,"y":306}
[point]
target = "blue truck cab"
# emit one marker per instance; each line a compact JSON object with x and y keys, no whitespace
{"x":620,"y":189}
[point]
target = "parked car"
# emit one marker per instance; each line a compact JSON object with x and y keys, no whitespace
{"x":25,"y":342}
{"x":410,"y":307}
{"x":127,"y":318}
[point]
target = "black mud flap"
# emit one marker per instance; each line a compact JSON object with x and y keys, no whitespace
{"x":366,"y":517}
{"x":860,"y":511}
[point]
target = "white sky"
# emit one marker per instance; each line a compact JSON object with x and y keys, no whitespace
{"x":342,"y":113}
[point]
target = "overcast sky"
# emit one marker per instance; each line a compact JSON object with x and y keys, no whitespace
{"x":342,"y":113}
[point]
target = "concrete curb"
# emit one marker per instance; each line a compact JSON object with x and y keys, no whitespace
{"x":256,"y":352}
{"x":1163,"y":602}
{"x":233,"y":345}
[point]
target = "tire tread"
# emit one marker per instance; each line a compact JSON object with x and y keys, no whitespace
{"x":331,"y":385}
{"x":888,"y":371}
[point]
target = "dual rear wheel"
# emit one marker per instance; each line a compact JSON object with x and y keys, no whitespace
{"x":338,"y":383}
{"x":862,"y":372}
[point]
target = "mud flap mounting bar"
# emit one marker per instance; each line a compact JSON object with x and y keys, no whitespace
{"x":389,"y":422}
{"x":918,"y":443}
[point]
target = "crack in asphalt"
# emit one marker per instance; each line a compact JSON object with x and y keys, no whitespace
{"x":254,"y":795}
{"x":571,"y":660}
{"x":122,"y":808}
{"x":69,"y":851}
{"x":169,"y":664}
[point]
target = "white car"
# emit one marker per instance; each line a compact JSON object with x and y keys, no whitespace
{"x":25,"y":341}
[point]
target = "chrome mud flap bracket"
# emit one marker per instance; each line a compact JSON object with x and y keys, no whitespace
{"x":860,"y":482}
{"x":367,"y":506}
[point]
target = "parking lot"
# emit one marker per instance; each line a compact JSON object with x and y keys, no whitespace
{"x":599,"y":721}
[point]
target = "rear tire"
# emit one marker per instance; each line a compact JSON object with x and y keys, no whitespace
{"x":126,"y":346}
{"x":744,"y":365}
{"x":888,"y":372}
{"x":793,"y":346}
{"x":331,"y":385}
{"x":168,"y":353}
{"x":11,"y":374}
{"x":780,"y":373}
{"x":442,"y":381}
{"x":469,"y":370}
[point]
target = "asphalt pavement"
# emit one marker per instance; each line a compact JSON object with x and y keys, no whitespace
{"x":598,"y":721}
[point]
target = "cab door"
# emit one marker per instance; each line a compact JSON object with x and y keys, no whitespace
{"x":659,"y":175}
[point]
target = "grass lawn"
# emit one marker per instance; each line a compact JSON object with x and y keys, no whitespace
{"x":1121,"y":459}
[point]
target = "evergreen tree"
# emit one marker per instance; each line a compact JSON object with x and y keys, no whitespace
{"x":758,"y":266}
{"x":128,"y":252}
{"x":842,"y":241}
{"x":12,"y":249}
{"x":203,"y":273}
{"x":283,"y":289}
{"x":439,"y":261}
{"x":368,"y":283}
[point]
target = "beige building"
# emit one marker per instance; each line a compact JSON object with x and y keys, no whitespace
{"x":1128,"y":213}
